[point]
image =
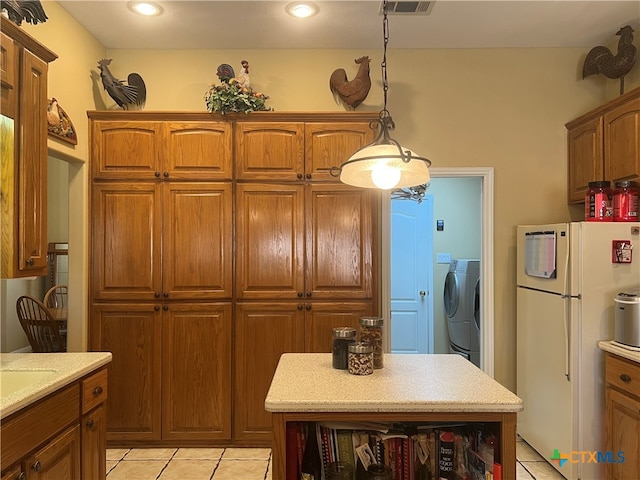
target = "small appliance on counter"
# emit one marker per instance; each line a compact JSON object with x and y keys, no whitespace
{"x":627,"y":319}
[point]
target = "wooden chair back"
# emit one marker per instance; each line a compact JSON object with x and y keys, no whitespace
{"x":56,"y":297}
{"x":42,"y":331}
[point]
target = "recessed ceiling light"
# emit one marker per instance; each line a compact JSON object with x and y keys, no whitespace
{"x":149,"y":9}
{"x":302,"y":10}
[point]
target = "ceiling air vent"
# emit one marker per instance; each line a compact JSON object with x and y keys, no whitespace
{"x":408,"y":8}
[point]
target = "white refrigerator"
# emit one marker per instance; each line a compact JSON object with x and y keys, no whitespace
{"x":567,"y":279}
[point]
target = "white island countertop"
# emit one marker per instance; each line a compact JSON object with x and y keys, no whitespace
{"x":307,"y":382}
{"x":59,"y":369}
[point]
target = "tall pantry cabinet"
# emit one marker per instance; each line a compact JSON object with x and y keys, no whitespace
{"x":219,"y":243}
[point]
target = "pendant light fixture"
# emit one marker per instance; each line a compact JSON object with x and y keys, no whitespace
{"x":384,"y":163}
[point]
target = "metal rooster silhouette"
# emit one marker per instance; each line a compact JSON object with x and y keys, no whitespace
{"x":129,"y":96}
{"x":351,"y":92}
{"x":30,"y":11}
{"x":601,"y":60}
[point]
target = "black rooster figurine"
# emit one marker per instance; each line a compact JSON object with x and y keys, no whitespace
{"x":29,"y":10}
{"x":351,"y":92}
{"x":129,"y":96}
{"x":601,"y":60}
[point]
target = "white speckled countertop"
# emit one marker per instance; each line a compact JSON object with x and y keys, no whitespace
{"x":67,"y":367}
{"x":608,"y":346}
{"x":307,"y":382}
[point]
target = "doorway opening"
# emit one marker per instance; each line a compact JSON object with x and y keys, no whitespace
{"x":486,"y":307}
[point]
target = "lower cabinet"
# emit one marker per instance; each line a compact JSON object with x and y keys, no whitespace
{"x":62,"y":436}
{"x":623,"y":417}
{"x":171,"y":370}
{"x":263,"y":332}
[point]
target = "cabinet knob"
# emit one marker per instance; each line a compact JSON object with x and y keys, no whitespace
{"x":308,"y":294}
{"x":157,"y":174}
{"x":156,"y":294}
{"x":308,"y":175}
{"x":299,"y":176}
{"x":308,"y":307}
{"x":625,"y":378}
{"x":165,"y":294}
{"x":22,"y":476}
{"x":299,"y":307}
{"x":90,"y":424}
{"x":97,"y":391}
{"x":165,"y":307}
{"x":36,"y":467}
{"x":30,"y":262}
{"x":300,"y":294}
{"x":156,"y":308}
{"x":165,"y":174}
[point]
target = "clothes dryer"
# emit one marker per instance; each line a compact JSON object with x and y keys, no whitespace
{"x":462,"y":307}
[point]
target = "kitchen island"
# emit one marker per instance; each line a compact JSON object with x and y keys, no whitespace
{"x":410,"y":388}
{"x":53,"y":410}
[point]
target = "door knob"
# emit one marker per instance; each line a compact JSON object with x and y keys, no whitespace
{"x":422,"y":293}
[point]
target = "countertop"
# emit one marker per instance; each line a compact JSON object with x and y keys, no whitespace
{"x":65,"y":367}
{"x":307,"y":382}
{"x":608,"y":346}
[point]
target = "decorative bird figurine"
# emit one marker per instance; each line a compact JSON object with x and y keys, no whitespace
{"x":351,"y":92}
{"x":29,"y":10}
{"x":601,"y":60}
{"x":243,"y":76}
{"x":131,"y":95}
{"x":53,"y":113}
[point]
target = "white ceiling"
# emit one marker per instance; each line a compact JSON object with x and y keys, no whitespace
{"x":345,"y":24}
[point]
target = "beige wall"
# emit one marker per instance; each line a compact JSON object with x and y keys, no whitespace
{"x":504,"y":108}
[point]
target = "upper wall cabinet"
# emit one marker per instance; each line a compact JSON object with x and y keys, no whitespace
{"x":24,"y":65}
{"x":604,"y":144}
{"x":295,"y":151}
{"x":140,"y":150}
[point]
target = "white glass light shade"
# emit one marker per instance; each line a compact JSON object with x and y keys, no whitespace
{"x":377,"y":165}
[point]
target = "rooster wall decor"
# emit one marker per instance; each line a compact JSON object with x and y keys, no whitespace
{"x":601,"y":60}
{"x":351,"y":92}
{"x":29,"y":10}
{"x":131,"y":95}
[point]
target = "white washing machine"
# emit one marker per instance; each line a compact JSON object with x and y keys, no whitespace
{"x":462,"y":307}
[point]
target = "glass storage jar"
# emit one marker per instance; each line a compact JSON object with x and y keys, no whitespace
{"x":597,"y":202}
{"x":338,"y":471}
{"x":360,"y":358}
{"x":625,"y":201}
{"x":378,"y":471}
{"x":342,"y":338}
{"x":371,"y":332}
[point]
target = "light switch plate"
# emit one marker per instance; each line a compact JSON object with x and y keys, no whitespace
{"x":443,"y":258}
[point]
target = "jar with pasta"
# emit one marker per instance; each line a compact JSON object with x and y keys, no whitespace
{"x":371,"y":332}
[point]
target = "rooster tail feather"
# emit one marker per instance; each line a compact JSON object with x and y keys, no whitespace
{"x":140,"y":90}
{"x":592,"y":61}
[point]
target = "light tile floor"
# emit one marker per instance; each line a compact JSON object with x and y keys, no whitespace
{"x":251,"y":464}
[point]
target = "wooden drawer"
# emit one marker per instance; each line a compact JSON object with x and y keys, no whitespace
{"x":25,"y":430}
{"x":623,"y":374}
{"x":94,"y":390}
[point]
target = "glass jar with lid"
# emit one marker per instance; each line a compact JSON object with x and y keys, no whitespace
{"x":360,"y":358}
{"x":342,"y":338}
{"x":371,"y":332}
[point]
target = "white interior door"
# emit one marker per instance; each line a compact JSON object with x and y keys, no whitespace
{"x":411,"y":276}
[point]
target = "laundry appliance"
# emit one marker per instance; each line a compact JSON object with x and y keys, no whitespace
{"x":462,"y":306}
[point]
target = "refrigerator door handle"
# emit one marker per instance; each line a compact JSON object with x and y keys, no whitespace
{"x":566,"y":351}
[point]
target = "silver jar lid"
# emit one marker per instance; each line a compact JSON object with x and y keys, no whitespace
{"x":371,"y":321}
{"x":360,"y":347}
{"x":344,"y":332}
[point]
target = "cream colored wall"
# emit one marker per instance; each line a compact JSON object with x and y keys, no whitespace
{"x":504,"y":108}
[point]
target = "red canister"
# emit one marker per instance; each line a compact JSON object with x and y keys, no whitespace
{"x":597,"y":202}
{"x":625,"y":201}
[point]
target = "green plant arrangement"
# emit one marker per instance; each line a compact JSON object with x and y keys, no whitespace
{"x":231,"y":97}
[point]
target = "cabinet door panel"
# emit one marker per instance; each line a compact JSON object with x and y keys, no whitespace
{"x":586,"y":160}
{"x":623,"y":434}
{"x":197,"y":150}
{"x":125,"y":150}
{"x":263,"y":332}
{"x":269,"y":150}
{"x":59,"y":459}
{"x":331,"y":144}
{"x":196,"y":378}
{"x":126,"y":241}
{"x":133,"y":334}
{"x":321,"y":318}
{"x":622,"y":144}
{"x":94,"y":443}
{"x":269,"y":241}
{"x":32,"y":168}
{"x":197,"y":236}
{"x":339,"y":248}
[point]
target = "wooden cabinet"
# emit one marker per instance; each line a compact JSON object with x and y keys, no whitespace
{"x":211,"y":259}
{"x":60,"y":436}
{"x":604,"y":144}
{"x":24,"y":153}
{"x":622,"y":417}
